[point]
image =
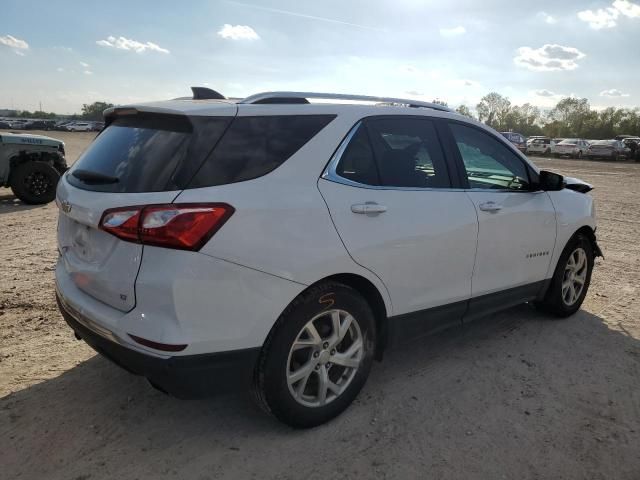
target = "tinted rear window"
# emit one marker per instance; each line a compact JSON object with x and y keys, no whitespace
{"x":254,"y":146}
{"x":149,"y":153}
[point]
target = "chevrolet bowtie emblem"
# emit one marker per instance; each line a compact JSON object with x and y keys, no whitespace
{"x":65,"y":206}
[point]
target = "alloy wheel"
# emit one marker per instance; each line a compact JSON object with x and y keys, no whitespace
{"x":575,"y":276}
{"x":324,"y":358}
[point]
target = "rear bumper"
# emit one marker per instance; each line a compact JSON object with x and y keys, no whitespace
{"x":189,"y":376}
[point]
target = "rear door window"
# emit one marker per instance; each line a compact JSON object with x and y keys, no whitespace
{"x":395,"y":152}
{"x":408,"y":153}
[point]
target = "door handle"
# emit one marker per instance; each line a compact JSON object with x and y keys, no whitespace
{"x":369,"y":208}
{"x":490,"y":206}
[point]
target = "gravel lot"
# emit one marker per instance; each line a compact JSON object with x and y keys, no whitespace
{"x":517,"y":395}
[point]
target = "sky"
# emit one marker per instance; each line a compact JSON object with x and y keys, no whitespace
{"x":69,"y":52}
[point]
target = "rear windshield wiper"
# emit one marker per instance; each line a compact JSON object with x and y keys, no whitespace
{"x":88,"y":176}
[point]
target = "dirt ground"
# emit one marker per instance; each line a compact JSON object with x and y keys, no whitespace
{"x":517,"y":395}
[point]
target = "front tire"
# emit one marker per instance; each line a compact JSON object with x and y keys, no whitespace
{"x":317,"y":357}
{"x":571,"y":279}
{"x":34,"y":182}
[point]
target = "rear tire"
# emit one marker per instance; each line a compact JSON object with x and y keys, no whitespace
{"x":34,"y":182}
{"x":318,"y":356}
{"x":571,"y":279}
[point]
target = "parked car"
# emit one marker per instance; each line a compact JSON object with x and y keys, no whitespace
{"x":61,"y":126}
{"x":31,"y":166}
{"x":79,"y":127}
{"x":288,"y":243}
{"x":18,"y":124}
{"x":610,"y":149}
{"x":633,"y":144}
{"x":517,"y":139}
{"x":39,"y":125}
{"x":541,"y":145}
{"x":97,"y":126}
{"x":572,"y":147}
{"x":5,"y":125}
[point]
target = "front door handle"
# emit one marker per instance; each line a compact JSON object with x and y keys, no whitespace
{"x":369,"y":208}
{"x":490,"y":206}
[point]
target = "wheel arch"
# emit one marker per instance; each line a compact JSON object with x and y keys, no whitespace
{"x":590,"y":233}
{"x":371,"y":295}
{"x":375,"y":300}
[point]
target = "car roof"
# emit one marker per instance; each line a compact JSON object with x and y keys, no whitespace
{"x":351,"y":108}
{"x":218,"y":105}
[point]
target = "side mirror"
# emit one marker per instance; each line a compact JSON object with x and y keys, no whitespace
{"x":550,"y":182}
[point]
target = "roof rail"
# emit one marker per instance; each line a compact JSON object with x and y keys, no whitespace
{"x":295,"y":97}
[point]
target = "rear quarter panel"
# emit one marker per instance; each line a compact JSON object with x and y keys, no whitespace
{"x":281,"y":223}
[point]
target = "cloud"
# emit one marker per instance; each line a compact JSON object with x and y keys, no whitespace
{"x":608,"y":17}
{"x":60,"y":69}
{"x":13,"y":42}
{"x":414,"y":93}
{"x":601,"y":18}
{"x":238,"y":32}
{"x":452,"y":32}
{"x":627,"y":8}
{"x":549,"y":57}
{"x":544,"y":93}
{"x":88,"y":72}
{"x":122,"y":43}
{"x":468,"y":83}
{"x":19,"y":53}
{"x":547,"y":18}
{"x":613,"y":92}
{"x":84,"y":64}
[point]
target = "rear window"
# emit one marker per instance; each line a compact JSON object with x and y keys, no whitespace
{"x":152,"y":153}
{"x":148,"y":153}
{"x":254,"y":146}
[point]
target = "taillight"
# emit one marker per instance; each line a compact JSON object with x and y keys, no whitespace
{"x":186,"y":226}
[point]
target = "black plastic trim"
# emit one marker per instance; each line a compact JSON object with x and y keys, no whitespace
{"x":411,"y":326}
{"x":189,"y":376}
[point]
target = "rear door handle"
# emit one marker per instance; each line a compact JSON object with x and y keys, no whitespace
{"x":369,"y":208}
{"x":490,"y":206}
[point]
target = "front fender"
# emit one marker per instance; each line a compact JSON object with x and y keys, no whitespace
{"x":574,"y":211}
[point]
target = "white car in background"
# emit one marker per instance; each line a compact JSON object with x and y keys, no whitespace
{"x":80,"y":127}
{"x":541,"y":146}
{"x":571,"y":147}
{"x":278,"y":243}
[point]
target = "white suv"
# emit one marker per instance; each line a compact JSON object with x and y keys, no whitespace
{"x":80,"y":127}
{"x":284,"y":244}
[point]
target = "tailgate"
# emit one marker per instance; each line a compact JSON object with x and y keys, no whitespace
{"x":100,"y":264}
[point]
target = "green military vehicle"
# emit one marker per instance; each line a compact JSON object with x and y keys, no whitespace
{"x":31,"y":165}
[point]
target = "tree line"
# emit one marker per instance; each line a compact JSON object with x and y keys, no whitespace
{"x":571,"y":117}
{"x":90,"y":111}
